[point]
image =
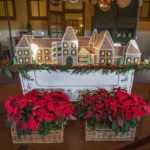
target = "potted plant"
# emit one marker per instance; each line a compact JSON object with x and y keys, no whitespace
{"x":111,"y":116}
{"x":39,"y":117}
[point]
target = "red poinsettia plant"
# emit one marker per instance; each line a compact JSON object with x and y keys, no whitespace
{"x":117,"y":109}
{"x":39,"y":112}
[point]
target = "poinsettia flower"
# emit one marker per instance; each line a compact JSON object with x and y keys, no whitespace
{"x":147,"y":109}
{"x":10,"y":110}
{"x":24,"y":126}
{"x":128,"y":115}
{"x":7,"y":104}
{"x":33,"y":123}
{"x":88,"y":115}
{"x":50,"y":106}
{"x":98,"y":116}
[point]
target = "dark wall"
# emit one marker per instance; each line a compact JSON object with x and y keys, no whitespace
{"x":121,"y":22}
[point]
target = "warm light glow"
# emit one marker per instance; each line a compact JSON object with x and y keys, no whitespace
{"x":34,"y":48}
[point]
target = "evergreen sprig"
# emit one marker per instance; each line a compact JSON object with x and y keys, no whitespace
{"x":9,"y":69}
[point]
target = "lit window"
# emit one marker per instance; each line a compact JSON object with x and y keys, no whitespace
{"x":26,"y":52}
{"x":102,"y":53}
{"x":65,"y":45}
{"x":39,"y":58}
{"x":65,"y":52}
{"x":21,"y":60}
{"x":20,"y":52}
{"x":27,"y":60}
{"x":83,"y":59}
{"x":37,"y":9}
{"x":109,"y":53}
{"x":11,"y":7}
{"x":128,"y":60}
{"x":73,"y":45}
{"x":102,"y":61}
{"x":136,"y":60}
{"x":47,"y":58}
{"x":109,"y":61}
{"x":46,"y":51}
{"x":40,"y":52}
{"x":73,"y":52}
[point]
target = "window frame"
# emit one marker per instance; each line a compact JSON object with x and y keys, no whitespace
{"x":148,"y":17}
{"x":20,"y":53}
{"x":30,"y":17}
{"x":110,"y":60}
{"x":40,"y":58}
{"x":74,"y":50}
{"x":101,"y":61}
{"x":128,"y":61}
{"x":27,"y":59}
{"x":65,"y":43}
{"x":13,"y":9}
{"x":110,"y":53}
{"x":65,"y":50}
{"x":102,"y":52}
{"x":136,"y":59}
{"x":47,"y":58}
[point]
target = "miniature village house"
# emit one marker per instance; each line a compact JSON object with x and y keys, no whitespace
{"x":73,"y":50}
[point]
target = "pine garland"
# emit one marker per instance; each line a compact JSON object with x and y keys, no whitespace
{"x":9,"y":69}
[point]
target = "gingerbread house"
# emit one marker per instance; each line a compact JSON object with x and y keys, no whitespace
{"x":72,"y":50}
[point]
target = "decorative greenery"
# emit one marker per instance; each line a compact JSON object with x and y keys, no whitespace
{"x":116,"y":110}
{"x":39,"y":112}
{"x":29,"y":27}
{"x":9,"y":69}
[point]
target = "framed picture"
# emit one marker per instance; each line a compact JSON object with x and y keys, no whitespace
{"x":73,"y":45}
{"x":73,"y":52}
{"x":65,"y":45}
{"x":65,"y":52}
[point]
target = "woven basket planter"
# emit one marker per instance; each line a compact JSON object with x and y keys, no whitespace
{"x":55,"y":136}
{"x":107,"y":135}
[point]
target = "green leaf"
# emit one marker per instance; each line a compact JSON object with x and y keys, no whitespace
{"x":114,"y":125}
{"x":8,"y":124}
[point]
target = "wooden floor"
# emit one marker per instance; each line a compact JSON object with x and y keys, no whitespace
{"x":74,"y":134}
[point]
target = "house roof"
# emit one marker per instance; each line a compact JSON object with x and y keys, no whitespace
{"x":69,"y":34}
{"x":94,"y":36}
{"x":23,"y":42}
{"x":83,"y":41}
{"x":100,"y":39}
{"x":118,"y":51}
{"x":132,"y":47}
{"x":104,"y":41}
{"x":44,"y":42}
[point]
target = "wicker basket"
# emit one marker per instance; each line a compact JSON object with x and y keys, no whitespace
{"x":54,"y":137}
{"x":108,"y":135}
